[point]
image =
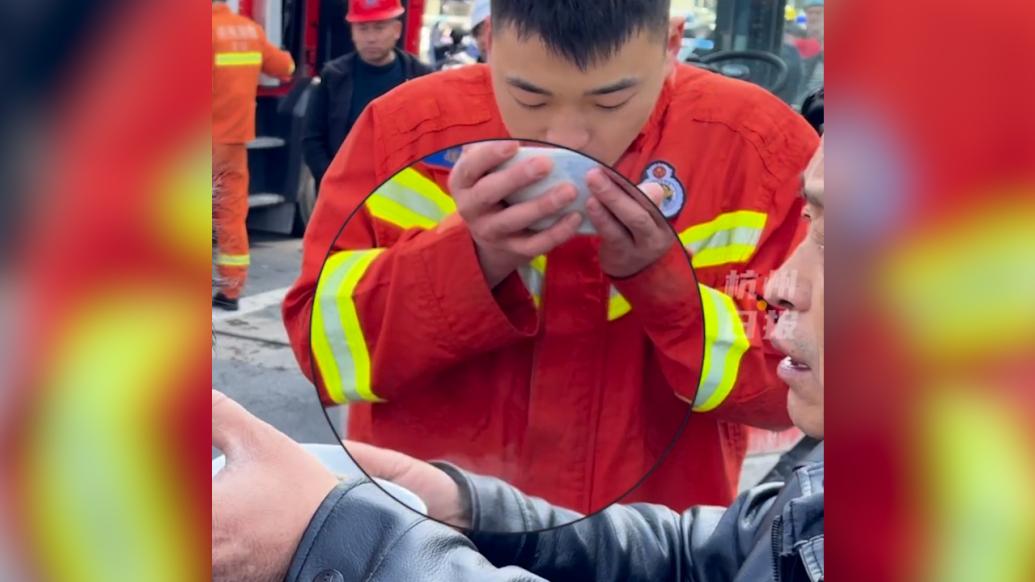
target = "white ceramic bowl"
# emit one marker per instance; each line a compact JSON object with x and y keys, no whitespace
{"x":334,"y":458}
{"x":568,"y":166}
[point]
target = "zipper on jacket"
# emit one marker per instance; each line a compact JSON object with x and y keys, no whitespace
{"x":777,"y":534}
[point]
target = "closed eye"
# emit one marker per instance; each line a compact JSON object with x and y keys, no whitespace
{"x":613,"y":107}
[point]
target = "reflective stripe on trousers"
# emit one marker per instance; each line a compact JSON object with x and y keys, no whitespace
{"x":339,"y":347}
{"x":233,"y":260}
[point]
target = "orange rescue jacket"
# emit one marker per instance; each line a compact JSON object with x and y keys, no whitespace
{"x":240,"y":52}
{"x":564,"y":382}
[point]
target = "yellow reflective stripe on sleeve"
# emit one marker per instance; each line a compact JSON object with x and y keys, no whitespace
{"x":617,"y":305}
{"x":233,"y":260}
{"x":337,"y":337}
{"x":724,"y":345}
{"x":410,"y":200}
{"x":428,"y":188}
{"x":391,"y":211}
{"x":724,"y":255}
{"x":326,"y":365}
{"x":534,"y":276}
{"x":243,"y":59}
{"x":729,"y":238}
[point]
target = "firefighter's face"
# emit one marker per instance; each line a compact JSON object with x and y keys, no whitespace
{"x":797,"y":286}
{"x":598,"y":111}
{"x":374,"y":40}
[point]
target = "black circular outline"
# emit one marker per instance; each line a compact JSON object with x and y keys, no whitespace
{"x":664,"y":453}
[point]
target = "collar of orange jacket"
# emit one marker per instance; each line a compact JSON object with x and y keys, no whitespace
{"x":220,"y":8}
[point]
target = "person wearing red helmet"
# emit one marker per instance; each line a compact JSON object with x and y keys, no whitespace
{"x":349,"y":82}
{"x":375,"y":28}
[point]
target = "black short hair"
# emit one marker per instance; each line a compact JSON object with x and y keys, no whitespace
{"x":582,"y":31}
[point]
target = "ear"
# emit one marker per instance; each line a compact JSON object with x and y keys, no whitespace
{"x":675,"y":39}
{"x":488,"y":35}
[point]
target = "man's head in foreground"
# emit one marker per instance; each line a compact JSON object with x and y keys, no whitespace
{"x":376,"y":29}
{"x":583,"y":74}
{"x":797,"y":287}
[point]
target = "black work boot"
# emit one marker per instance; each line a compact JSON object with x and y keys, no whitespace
{"x":223,"y":302}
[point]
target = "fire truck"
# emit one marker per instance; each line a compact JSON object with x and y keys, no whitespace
{"x":282,"y":191}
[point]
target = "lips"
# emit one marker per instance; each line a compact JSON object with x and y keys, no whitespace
{"x":795,"y":365}
{"x":794,"y":372}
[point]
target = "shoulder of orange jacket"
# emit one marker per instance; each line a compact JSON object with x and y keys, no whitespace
{"x":780,"y":135}
{"x":229,"y":17}
{"x":435,"y":112}
{"x":453,"y":90}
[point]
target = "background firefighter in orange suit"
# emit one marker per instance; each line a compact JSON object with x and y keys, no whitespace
{"x":240,"y":53}
{"x":538,"y":357}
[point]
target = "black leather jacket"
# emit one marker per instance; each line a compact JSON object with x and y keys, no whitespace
{"x":327,"y":119}
{"x":771,"y":532}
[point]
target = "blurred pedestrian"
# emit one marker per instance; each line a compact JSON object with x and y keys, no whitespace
{"x":349,"y":82}
{"x":791,"y":55}
{"x":240,"y":53}
{"x":814,"y":31}
{"x":814,"y":20}
{"x":796,"y":35}
{"x":481,"y":27}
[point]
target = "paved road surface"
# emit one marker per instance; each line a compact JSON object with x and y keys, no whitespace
{"x":252,"y":362}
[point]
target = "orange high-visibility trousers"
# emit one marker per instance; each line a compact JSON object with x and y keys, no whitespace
{"x":229,"y":214}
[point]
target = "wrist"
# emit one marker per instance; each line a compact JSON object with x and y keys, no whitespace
{"x":495,"y":266}
{"x":461,"y":502}
{"x":461,"y":498}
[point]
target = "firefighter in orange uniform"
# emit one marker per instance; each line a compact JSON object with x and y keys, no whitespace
{"x":240,"y":53}
{"x":564,"y":375}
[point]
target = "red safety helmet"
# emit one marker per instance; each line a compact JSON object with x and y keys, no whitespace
{"x":373,"y":10}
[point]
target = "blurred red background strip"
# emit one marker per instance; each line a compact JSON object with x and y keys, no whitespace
{"x":136,"y":102}
{"x":947,"y":85}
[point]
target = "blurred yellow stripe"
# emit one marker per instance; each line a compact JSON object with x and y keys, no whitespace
{"x":979,"y":478}
{"x":103,"y":502}
{"x":964,"y":292}
{"x":183,"y":206}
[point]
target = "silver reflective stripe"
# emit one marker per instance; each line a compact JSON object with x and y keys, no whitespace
{"x":617,"y":305}
{"x":335,"y":333}
{"x":741,"y":235}
{"x":534,"y":281}
{"x":718,"y":343}
{"x":411,"y":200}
